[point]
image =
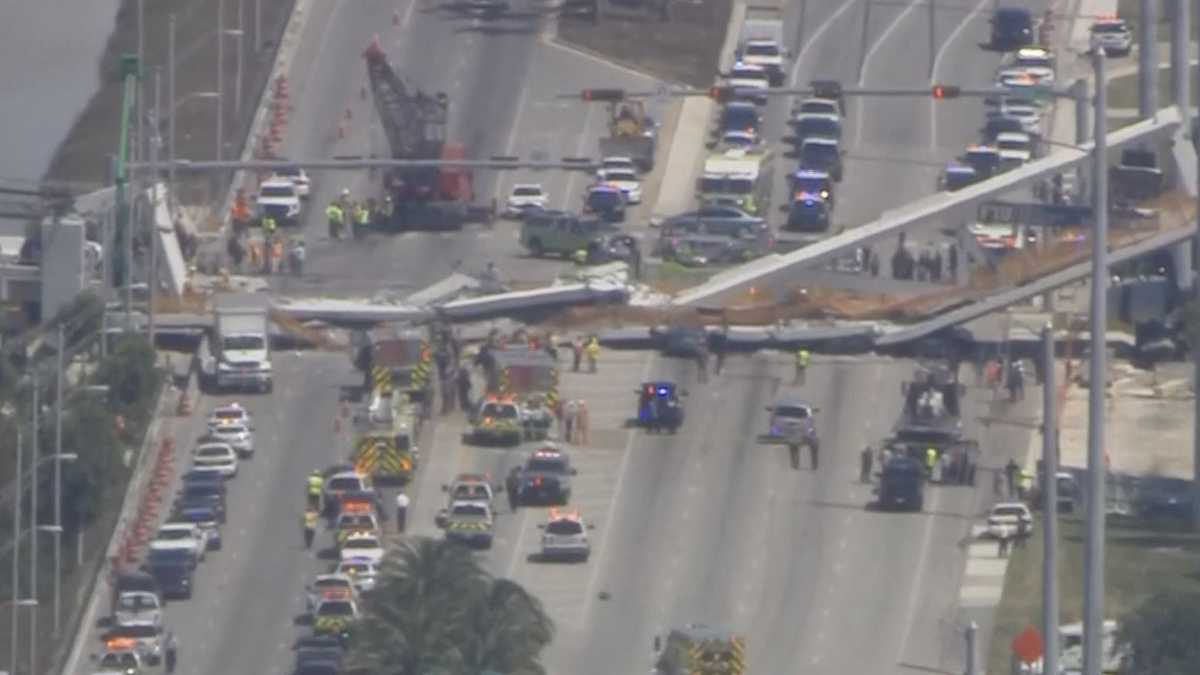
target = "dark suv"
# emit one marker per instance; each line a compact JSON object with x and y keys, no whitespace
{"x":1012,"y":28}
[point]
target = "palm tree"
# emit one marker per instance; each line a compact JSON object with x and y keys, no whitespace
{"x":436,"y":611}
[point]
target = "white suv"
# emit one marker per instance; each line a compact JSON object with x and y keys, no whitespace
{"x":1113,"y":36}
{"x":279,"y":198}
{"x":564,"y":537}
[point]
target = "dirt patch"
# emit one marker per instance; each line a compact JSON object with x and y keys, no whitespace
{"x":85,"y":155}
{"x":684,"y":48}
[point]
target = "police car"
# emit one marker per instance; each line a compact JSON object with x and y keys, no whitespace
{"x":329,"y":587}
{"x":1037,"y":62}
{"x":808,"y":212}
{"x":138,"y":608}
{"x":626,"y":181}
{"x":120,"y":657}
{"x":363,"y":572}
{"x":1006,"y":518}
{"x":817,"y":182}
{"x":957,"y":176}
{"x":564,"y":537}
{"x":545,"y":478}
{"x":605,"y":201}
{"x":233,"y":413}
{"x":751,"y":82}
{"x":362,"y":545}
{"x":1112,"y":35}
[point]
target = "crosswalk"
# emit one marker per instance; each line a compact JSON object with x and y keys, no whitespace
{"x":564,"y":588}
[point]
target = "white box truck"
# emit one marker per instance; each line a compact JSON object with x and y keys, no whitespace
{"x":240,"y":351}
{"x":761,"y":42}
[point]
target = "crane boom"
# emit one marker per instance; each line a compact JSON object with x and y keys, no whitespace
{"x":413,"y":121}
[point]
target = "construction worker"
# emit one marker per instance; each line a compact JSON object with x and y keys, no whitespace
{"x":582,"y":424}
{"x":336,"y":218}
{"x":593,"y":352}
{"x":386,"y":211}
{"x":462,"y":382}
{"x":315,"y":484}
{"x":569,"y":419}
{"x":171,"y":650}
{"x":866,"y":458}
{"x":362,"y":220}
{"x":240,"y":214}
{"x":310,"y":526}
{"x":802,"y":361}
{"x":931,"y":458}
{"x":577,"y":347}
{"x":268,"y":226}
{"x":277,"y":254}
{"x":298,"y":255}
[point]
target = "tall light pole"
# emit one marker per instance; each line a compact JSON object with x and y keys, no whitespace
{"x":1148,"y":58}
{"x":58,"y":402}
{"x":171,"y":118}
{"x":258,"y":25}
{"x":136,"y":148}
{"x":155,"y":149}
{"x":16,"y":555}
{"x":1093,"y":595}
{"x":1196,"y":348}
{"x":220,"y":78}
{"x":237,"y":78}
{"x":33,"y":513}
{"x":1049,"y":505}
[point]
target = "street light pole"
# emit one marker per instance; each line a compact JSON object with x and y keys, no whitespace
{"x":1148,"y":58}
{"x":16,"y":556}
{"x":1093,"y":595}
{"x":1049,"y":504}
{"x":220,"y":78}
{"x":58,"y":412}
{"x":171,"y":113}
{"x":257,"y":25}
{"x":156,"y":235}
{"x":241,"y":38}
{"x":33,"y":513}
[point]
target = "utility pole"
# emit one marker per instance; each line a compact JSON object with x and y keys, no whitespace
{"x":33,"y":526}
{"x":241,"y":39}
{"x":156,"y":235}
{"x":1049,"y":504}
{"x":220,"y":79}
{"x":866,"y":28}
{"x":1079,"y":93}
{"x":1093,"y":591}
{"x":258,"y":25}
{"x":1180,"y":22}
{"x":141,"y":59}
{"x":171,"y":114}
{"x":58,"y":426}
{"x":932,"y":36}
{"x":16,"y":556}
{"x":1196,"y":348}
{"x":1148,"y":58}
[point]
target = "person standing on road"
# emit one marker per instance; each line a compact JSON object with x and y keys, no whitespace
{"x":1011,"y":471}
{"x":577,"y":356}
{"x":868,"y":456}
{"x":171,"y":649}
{"x":310,"y":527}
{"x":462,"y":381}
{"x":802,"y":360}
{"x":335,"y":217}
{"x":314,"y":484}
{"x":593,"y":353}
{"x":402,"y":503}
{"x":236,"y":252}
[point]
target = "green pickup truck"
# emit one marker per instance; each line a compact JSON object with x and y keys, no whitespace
{"x":559,"y":233}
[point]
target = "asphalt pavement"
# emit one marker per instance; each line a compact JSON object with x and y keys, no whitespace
{"x":896,"y":146}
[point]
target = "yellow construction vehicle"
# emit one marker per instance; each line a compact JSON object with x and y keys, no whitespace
{"x":631,"y":133}
{"x":697,"y":649}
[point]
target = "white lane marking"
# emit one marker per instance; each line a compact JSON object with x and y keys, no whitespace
{"x":937,"y":62}
{"x":883,"y":38}
{"x":555,"y":44}
{"x":609,"y":517}
{"x":584,"y":137}
{"x":408,"y":14}
{"x":511,"y":143}
{"x":816,"y":37}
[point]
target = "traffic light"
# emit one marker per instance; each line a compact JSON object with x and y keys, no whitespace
{"x":721,"y":94}
{"x":941,"y":91}
{"x":603,"y":94}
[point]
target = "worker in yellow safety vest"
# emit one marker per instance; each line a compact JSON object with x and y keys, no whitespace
{"x":362,"y":219}
{"x":268,"y":226}
{"x":931,"y":458}
{"x":593,"y":352}
{"x":336,"y":220}
{"x":310,"y":526}
{"x":802,"y":360}
{"x":315,"y":484}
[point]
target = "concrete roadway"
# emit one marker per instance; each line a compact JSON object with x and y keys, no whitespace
{"x":901,"y":143}
{"x":501,"y":79}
